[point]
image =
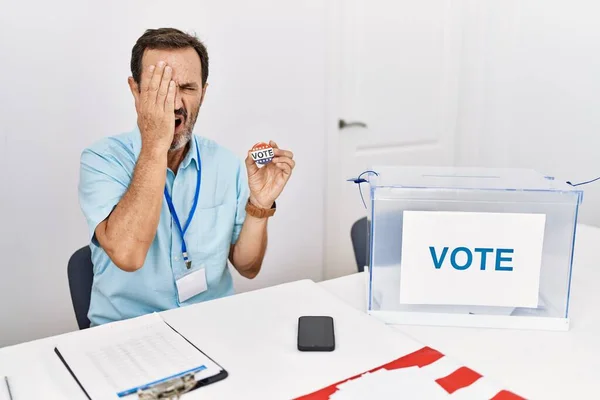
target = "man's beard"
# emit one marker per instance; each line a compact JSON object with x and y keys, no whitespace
{"x":181,"y":139}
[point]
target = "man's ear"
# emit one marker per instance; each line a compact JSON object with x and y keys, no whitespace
{"x":135,"y":90}
{"x":203,"y":93}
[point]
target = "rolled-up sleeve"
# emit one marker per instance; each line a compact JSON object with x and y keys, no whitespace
{"x":243,"y":192}
{"x":103,"y":180}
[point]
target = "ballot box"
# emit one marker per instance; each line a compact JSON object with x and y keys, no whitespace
{"x":470,"y":247}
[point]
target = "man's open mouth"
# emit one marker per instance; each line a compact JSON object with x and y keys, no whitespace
{"x":178,"y":121}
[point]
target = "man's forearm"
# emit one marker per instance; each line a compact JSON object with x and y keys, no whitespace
{"x":126,"y":235}
{"x":249,"y":251}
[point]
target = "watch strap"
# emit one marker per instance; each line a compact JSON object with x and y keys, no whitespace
{"x":259,"y":212}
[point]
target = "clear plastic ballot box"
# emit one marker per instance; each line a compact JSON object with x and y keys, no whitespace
{"x":470,"y":247}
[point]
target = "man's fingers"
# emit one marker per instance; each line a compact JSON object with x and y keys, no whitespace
{"x":282,"y":153}
{"x":279,"y":161}
{"x":145,"y":82}
{"x":251,"y":165}
{"x":285,"y":167}
{"x":163,"y":89}
{"x":170,"y":100}
{"x":155,"y":82}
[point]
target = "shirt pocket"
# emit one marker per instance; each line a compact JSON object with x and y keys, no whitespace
{"x":214,"y":264}
{"x":210,"y":231}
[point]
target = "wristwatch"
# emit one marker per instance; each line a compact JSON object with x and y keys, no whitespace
{"x":259,"y":212}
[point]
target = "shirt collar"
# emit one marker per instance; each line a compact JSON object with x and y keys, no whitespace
{"x":192,"y":154}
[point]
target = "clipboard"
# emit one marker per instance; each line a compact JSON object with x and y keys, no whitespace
{"x":171,"y":387}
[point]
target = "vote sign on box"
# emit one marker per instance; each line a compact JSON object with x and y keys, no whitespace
{"x":471,"y":258}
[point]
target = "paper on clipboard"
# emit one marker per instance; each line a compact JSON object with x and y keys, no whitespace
{"x":114,"y":362}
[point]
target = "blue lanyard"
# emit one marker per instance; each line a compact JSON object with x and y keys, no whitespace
{"x":186,"y":259}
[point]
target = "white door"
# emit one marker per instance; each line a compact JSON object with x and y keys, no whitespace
{"x":394,"y":67}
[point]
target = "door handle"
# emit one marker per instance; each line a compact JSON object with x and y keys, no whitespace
{"x":343,"y":124}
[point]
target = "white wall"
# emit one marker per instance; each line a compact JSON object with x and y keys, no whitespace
{"x":530,"y":90}
{"x":64,"y":85}
{"x":528,"y":93}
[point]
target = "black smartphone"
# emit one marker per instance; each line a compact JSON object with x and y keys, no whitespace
{"x":316,"y":333}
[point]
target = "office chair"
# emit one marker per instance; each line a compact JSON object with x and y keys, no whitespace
{"x":360,"y":242}
{"x":81,"y":275}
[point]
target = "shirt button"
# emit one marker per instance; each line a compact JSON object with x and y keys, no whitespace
{"x":176,"y":258}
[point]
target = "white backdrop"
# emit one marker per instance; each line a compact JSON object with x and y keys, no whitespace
{"x":64,"y":74}
{"x":529,"y":90}
{"x":526,"y":92}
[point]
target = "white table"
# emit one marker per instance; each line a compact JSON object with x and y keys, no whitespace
{"x":536,"y":364}
{"x":253,"y":336}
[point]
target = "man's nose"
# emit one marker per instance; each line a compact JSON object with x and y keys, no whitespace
{"x":178,"y":101}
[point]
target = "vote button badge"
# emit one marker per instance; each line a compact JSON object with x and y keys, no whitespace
{"x":262,"y":153}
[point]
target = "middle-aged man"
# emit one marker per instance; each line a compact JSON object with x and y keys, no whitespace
{"x":166,"y":209}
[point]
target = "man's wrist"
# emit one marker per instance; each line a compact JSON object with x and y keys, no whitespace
{"x":258,"y":211}
{"x":153,"y":152}
{"x":260,"y":204}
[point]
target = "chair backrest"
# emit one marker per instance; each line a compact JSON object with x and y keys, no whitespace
{"x":360,"y":242}
{"x":80,"y":271}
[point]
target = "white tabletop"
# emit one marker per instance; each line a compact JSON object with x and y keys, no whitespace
{"x":535,"y":364}
{"x":252,"y":335}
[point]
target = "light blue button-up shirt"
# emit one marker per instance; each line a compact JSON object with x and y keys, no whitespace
{"x":106,"y":171}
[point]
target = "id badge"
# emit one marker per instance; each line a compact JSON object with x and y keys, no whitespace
{"x":191,"y":284}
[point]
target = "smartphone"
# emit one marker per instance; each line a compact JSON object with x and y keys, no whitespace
{"x":316,"y":333}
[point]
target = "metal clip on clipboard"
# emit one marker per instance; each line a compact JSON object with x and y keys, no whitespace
{"x":171,"y":389}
